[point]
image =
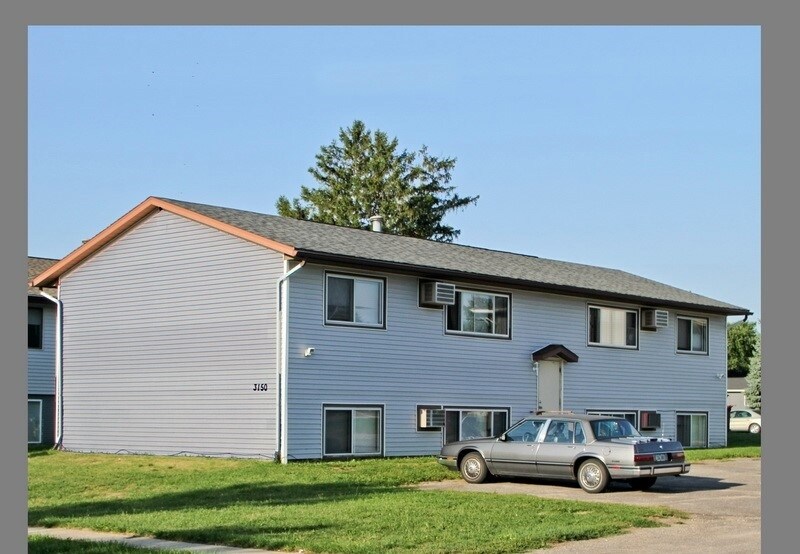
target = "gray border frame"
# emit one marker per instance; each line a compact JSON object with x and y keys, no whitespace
{"x":780,"y":195}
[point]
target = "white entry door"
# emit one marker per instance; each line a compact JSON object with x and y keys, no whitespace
{"x":549,"y":385}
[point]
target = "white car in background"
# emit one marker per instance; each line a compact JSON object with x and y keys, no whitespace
{"x":745,"y":419}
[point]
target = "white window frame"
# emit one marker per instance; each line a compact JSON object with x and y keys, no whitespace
{"x":38,"y":401}
{"x":356,"y":279}
{"x":618,"y":413}
{"x":691,"y":416}
{"x":457,"y":306}
{"x":462,"y":410}
{"x":352,"y":408}
{"x":626,"y":346}
{"x":692,"y":321}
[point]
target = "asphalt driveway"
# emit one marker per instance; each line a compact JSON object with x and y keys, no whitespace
{"x":723,"y":498}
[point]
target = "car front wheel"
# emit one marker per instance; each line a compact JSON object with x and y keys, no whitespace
{"x":593,"y":476}
{"x":642,"y":483}
{"x":754,"y":428}
{"x":473,"y":468}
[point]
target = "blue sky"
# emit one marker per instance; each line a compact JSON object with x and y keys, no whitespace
{"x":636,"y":148}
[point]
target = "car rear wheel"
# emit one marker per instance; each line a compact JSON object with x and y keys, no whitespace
{"x":754,"y":428}
{"x":593,"y":476}
{"x":642,"y":483}
{"x":473,"y":468}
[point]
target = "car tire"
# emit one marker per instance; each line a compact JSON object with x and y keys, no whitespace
{"x":473,"y":468}
{"x":593,"y":476}
{"x":642,"y":483}
{"x":754,"y":428}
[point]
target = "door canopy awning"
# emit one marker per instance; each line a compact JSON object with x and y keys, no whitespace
{"x":553,"y":350}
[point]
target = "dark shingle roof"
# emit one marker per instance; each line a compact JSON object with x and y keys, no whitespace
{"x":35,"y":267}
{"x":737,"y":383}
{"x":319,"y":241}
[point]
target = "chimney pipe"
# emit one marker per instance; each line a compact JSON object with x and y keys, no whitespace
{"x":377,"y":223}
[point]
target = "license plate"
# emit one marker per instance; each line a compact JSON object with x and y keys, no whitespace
{"x":661,"y":457}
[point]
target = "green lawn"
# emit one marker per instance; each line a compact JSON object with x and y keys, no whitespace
{"x":338,"y":507}
{"x":741,"y":444}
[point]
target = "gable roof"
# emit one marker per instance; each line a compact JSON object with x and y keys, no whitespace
{"x":35,"y":267}
{"x":737,"y":383}
{"x":329,"y":243}
{"x":553,"y":350}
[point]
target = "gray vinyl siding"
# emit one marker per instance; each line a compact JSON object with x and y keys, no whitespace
{"x":413,"y":362}
{"x":166,"y":331}
{"x":42,"y":362}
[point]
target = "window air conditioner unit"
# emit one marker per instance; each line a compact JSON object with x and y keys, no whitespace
{"x":431,"y":418}
{"x":653,"y":319}
{"x":434,"y":293}
{"x":649,"y":420}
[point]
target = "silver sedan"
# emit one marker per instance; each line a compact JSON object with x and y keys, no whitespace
{"x":590,"y":449}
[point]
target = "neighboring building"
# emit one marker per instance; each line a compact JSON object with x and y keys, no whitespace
{"x":41,"y":358}
{"x":736,"y":388}
{"x":197,"y":329}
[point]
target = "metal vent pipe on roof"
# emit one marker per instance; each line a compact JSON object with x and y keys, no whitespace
{"x":377,"y":223}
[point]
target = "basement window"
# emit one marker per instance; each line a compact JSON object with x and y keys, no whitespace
{"x":352,"y":430}
{"x":34,"y":421}
{"x":473,"y":423}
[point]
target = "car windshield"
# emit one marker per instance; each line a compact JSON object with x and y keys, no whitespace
{"x":613,"y":428}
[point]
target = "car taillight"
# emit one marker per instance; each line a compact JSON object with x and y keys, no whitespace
{"x":643,"y":458}
{"x":678,"y":455}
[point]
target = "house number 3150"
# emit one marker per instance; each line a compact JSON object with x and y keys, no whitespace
{"x":259,"y":386}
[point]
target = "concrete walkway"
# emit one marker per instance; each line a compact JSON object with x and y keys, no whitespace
{"x":141,"y":542}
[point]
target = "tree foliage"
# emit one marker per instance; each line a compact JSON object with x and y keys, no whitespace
{"x":742,"y":340}
{"x":753,"y":391}
{"x":364,"y":174}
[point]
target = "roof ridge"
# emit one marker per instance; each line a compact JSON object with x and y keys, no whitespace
{"x":354,"y":229}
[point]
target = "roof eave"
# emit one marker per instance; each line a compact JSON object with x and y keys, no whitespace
{"x":434,"y":272}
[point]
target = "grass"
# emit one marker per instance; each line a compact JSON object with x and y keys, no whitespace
{"x":360,"y":506}
{"x":741,"y":444}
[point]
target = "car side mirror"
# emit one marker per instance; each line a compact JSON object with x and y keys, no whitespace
{"x":502,"y":437}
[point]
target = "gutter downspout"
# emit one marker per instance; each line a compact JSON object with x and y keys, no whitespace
{"x":282,"y":358}
{"x":59,"y":370}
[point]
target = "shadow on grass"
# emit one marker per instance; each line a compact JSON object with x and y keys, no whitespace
{"x":272,"y":537}
{"x":213,"y":498}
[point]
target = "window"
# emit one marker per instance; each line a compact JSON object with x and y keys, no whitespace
{"x":560,"y":431}
{"x":351,"y":300}
{"x":693,"y":430}
{"x":527,"y":431}
{"x":580,"y":436}
{"x":34,"y":421}
{"x":473,"y":423}
{"x":630,"y":416}
{"x":613,"y":428}
{"x":692,"y":335}
{"x":352,"y":431}
{"x":35,"y":328}
{"x":613,"y":327}
{"x":479,"y":313}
